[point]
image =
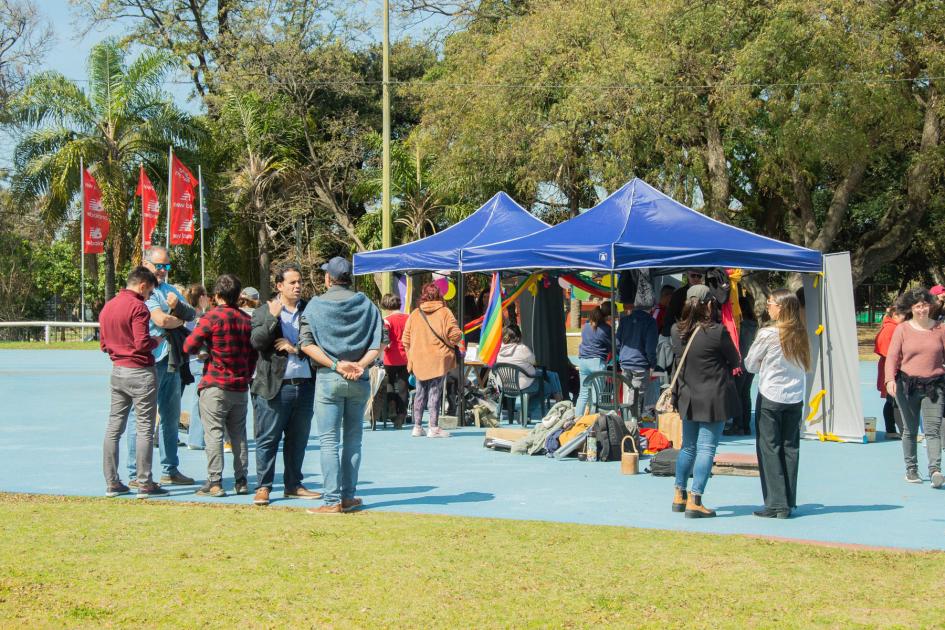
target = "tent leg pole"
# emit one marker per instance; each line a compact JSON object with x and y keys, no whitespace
{"x":461,"y":299}
{"x":613,"y":337}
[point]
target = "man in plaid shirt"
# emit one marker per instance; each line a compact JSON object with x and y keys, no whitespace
{"x":224,"y":331}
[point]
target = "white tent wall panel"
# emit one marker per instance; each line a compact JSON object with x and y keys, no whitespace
{"x":835,"y":353}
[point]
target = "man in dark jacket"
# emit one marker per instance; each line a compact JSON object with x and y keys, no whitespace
{"x":678,"y":301}
{"x":283,"y":390}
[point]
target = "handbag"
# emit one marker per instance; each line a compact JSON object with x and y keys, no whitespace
{"x":664,"y":403}
{"x":456,"y":352}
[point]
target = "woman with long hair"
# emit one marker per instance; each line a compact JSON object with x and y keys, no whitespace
{"x":431,"y":337}
{"x":705,"y":395}
{"x":915,"y":376}
{"x":780,"y":356}
{"x":593,"y":352}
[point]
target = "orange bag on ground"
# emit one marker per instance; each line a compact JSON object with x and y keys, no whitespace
{"x":580,"y":425}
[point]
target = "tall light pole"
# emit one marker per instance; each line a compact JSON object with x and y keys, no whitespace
{"x":385,"y":158}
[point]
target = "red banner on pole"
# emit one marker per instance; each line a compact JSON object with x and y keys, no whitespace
{"x":182,"y":203}
{"x":96,"y":219}
{"x":150,"y":207}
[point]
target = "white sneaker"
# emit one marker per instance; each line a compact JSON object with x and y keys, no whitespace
{"x":417,"y":431}
{"x":437,"y":432}
{"x":938,"y":479}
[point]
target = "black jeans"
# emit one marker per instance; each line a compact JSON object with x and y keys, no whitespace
{"x":778,"y":445}
{"x":288,"y":414}
{"x":891,"y":416}
{"x":743,"y":386}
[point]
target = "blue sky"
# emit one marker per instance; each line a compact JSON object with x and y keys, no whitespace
{"x":70,"y":50}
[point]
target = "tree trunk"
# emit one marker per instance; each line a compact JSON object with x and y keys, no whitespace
{"x":719,"y":194}
{"x":574,"y":314}
{"x":262,"y":244}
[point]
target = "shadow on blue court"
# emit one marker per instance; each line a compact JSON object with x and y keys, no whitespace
{"x":56,"y":405}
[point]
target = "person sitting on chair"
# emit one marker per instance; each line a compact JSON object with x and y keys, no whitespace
{"x":516,"y":353}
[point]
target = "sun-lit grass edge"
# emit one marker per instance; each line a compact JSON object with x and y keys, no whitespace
{"x":72,"y":561}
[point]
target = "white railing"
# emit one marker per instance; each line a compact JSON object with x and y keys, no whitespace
{"x":48,"y":326}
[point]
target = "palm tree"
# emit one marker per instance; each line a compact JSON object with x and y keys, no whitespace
{"x":122,"y":119}
{"x":264,"y":160}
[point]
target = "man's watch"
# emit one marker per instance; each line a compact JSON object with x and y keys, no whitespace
{"x":334,"y":365}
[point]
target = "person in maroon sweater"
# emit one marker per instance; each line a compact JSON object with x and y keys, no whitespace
{"x":225,"y":332}
{"x":123,"y":334}
{"x":915,"y":376}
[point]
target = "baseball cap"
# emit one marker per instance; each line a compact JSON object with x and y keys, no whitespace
{"x":338,"y":268}
{"x":700,"y":291}
{"x":937,"y":290}
{"x":251,"y":293}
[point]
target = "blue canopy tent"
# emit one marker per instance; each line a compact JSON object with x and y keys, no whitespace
{"x":640,"y":227}
{"x":498,"y":219}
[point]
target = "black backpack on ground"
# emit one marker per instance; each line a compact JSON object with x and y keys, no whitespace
{"x":611,"y":430}
{"x":663,"y":464}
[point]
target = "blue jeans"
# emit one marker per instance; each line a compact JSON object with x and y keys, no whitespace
{"x":586,"y":367}
{"x":289,"y":413}
{"x":699,"y":440}
{"x":168,"y":404}
{"x":195,"y":438}
{"x":339,"y":414}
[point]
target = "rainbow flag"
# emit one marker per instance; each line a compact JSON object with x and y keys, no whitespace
{"x":490,"y":340}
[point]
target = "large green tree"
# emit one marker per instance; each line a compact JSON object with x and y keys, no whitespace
{"x":123,"y":119}
{"x":789,"y":118}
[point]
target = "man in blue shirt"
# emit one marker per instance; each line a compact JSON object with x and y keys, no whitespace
{"x":283,"y":390}
{"x":169,"y":310}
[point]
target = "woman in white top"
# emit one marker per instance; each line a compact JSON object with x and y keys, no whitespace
{"x":780,"y":356}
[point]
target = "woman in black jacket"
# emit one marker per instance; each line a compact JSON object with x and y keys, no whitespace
{"x":705,"y":395}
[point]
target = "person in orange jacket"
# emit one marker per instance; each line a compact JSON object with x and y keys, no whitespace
{"x":891,"y":415}
{"x":431,"y":339}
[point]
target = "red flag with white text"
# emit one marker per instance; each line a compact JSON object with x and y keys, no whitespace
{"x":150,"y":207}
{"x":182,"y":203}
{"x":95,"y":218}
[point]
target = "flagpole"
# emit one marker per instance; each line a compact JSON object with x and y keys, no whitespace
{"x":203,"y":279}
{"x":140,"y":171}
{"x":82,"y":238}
{"x":170,"y":179}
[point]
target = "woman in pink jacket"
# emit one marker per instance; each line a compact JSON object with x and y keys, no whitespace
{"x":915,"y":376}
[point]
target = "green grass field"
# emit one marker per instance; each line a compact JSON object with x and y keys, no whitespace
{"x":70,"y":562}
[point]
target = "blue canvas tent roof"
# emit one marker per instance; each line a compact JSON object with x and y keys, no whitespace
{"x":498,"y":219}
{"x":638,"y":227}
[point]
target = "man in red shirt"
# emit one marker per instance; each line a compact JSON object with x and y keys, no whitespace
{"x":225,"y":332}
{"x":395,"y":357}
{"x":123,"y":334}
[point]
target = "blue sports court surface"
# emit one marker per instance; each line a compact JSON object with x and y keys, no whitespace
{"x":55,"y":405}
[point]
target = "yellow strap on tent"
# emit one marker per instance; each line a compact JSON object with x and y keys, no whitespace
{"x":820,"y":330}
{"x":815,"y":405}
{"x":817,"y":278}
{"x":828,"y":437}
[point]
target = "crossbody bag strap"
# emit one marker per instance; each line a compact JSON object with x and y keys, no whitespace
{"x":682,"y":359}
{"x":435,"y":334}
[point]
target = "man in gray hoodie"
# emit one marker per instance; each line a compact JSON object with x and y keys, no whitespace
{"x":341,"y":334}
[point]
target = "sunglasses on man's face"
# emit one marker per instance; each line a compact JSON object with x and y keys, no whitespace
{"x":164,"y":266}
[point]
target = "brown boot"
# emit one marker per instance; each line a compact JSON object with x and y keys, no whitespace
{"x":262,"y":496}
{"x":679,"y":500}
{"x":695,"y":509}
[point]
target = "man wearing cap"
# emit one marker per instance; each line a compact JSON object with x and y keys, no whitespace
{"x":283,"y":389}
{"x":676,"y":303}
{"x":249,"y":300}
{"x":938,"y":309}
{"x":341,"y":334}
{"x":169,"y":310}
